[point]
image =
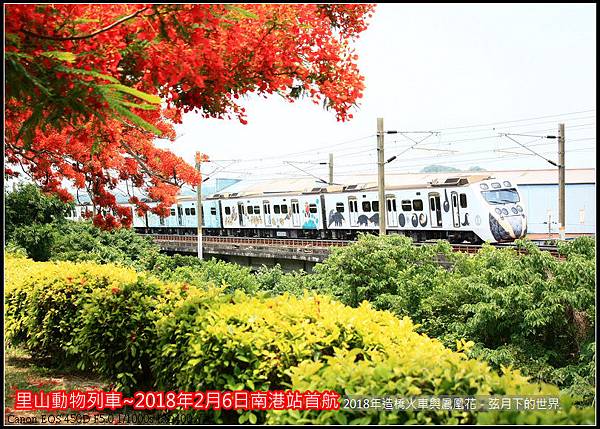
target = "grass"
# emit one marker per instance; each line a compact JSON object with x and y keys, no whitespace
{"x":21,"y":372}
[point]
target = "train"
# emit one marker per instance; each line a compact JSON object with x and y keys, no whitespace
{"x":473,"y":209}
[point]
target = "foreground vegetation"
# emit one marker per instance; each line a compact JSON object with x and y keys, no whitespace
{"x":147,"y":334}
{"x":150,"y":321}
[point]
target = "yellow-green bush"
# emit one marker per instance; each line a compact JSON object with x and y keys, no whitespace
{"x":44,"y":301}
{"x":117,"y":321}
{"x":315,"y":343}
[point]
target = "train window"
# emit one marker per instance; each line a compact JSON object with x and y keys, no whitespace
{"x":406,"y":205}
{"x":375,"y":206}
{"x":501,"y":197}
{"x":267,"y":208}
{"x":180,"y":211}
{"x":172,"y":212}
{"x":394,"y":204}
{"x":250,"y":210}
{"x":213,"y":211}
{"x":389,"y":205}
{"x":339,"y":207}
{"x":312,"y":208}
{"x":193,"y":211}
{"x":463,"y":201}
{"x":256,"y":209}
{"x":242,"y":209}
{"x":162,"y":220}
{"x":227,"y":210}
{"x":276,"y":208}
{"x":418,"y":205}
{"x":366,"y":206}
{"x":284,"y":209}
{"x":295,"y":208}
{"x":187,"y":211}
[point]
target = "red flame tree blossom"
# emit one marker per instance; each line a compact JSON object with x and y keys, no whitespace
{"x":90,"y":86}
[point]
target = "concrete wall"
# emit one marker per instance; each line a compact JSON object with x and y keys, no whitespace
{"x":580,"y":205}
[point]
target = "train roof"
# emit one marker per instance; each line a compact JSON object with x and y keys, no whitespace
{"x":284,"y":187}
{"x":368,"y":182}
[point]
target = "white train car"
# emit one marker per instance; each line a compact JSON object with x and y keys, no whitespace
{"x":474,"y":209}
{"x":471,"y":208}
{"x":182,"y":218}
{"x":294,"y":215}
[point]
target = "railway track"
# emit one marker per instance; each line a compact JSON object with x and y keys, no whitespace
{"x":292,"y":242}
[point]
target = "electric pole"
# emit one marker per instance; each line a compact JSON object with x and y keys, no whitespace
{"x":199,"y":158}
{"x":561,"y":181}
{"x":381,"y":176}
{"x":331,"y":169}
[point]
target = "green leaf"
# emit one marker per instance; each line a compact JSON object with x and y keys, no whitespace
{"x":154,"y":99}
{"x":136,"y":120}
{"x":240,"y":11}
{"x":252,"y":418}
{"x":87,"y":73}
{"x":61,"y":55}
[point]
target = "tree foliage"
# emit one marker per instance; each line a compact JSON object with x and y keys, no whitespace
{"x":530,"y":310}
{"x":89,"y":86}
{"x":27,"y":205}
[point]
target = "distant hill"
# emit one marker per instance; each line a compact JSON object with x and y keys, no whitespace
{"x":434,"y":168}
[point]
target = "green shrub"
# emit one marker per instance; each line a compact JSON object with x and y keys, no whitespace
{"x":528,"y":310}
{"x":276,"y":282}
{"x":202,"y":273}
{"x":370,"y":268}
{"x":82,"y":241}
{"x":44,"y":302}
{"x":36,"y":239}
{"x":116,"y":336}
{"x":27,"y":205}
{"x":582,"y":246}
{"x":313,"y":343}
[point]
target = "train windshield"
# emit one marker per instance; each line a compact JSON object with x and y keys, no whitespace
{"x":501,"y":196}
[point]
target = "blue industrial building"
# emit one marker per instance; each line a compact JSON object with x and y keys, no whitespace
{"x":540,"y":192}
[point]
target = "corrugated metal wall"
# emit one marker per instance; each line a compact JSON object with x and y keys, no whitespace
{"x":542,"y":201}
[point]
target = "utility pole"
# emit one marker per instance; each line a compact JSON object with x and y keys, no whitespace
{"x":199,"y":158}
{"x":331,"y":169}
{"x":561,"y":181}
{"x":381,"y":176}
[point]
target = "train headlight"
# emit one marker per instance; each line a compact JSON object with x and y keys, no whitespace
{"x":520,"y":209}
{"x":484,"y":186}
{"x":505,"y":212}
{"x":514,"y":210}
{"x":498,"y":211}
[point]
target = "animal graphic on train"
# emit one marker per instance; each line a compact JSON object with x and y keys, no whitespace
{"x":441,"y":209}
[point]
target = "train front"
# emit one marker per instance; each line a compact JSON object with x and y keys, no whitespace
{"x":507,"y":217}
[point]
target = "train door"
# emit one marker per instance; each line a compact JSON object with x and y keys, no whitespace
{"x":241,"y":213}
{"x":179,"y":215}
{"x":435,"y":209}
{"x":392,"y":214}
{"x":455,"y":209}
{"x":353,"y":211}
{"x":267,"y":212}
{"x":295,"y":213}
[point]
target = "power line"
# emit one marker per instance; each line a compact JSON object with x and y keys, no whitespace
{"x":515,"y":120}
